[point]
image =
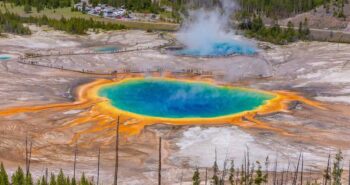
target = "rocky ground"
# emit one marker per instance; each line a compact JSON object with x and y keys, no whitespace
{"x":318,"y":71}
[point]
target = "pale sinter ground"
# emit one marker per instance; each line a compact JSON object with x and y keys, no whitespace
{"x":319,"y":71}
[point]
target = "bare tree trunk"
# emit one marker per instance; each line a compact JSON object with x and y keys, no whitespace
{"x":275,"y":172}
{"x":75,"y":160}
{"x":27,"y":155}
{"x":223,"y":173}
{"x":310,"y":177}
{"x":30,"y":157}
{"x":282,"y":177}
{"x":182,"y":175}
{"x":98,"y":166}
{"x":327,"y":169}
{"x":46,"y":176}
{"x":160,"y":162}
{"x":245,"y":169}
{"x":302,"y":170}
{"x":248,"y":166}
{"x":116,"y":154}
{"x":349,"y":174}
{"x":206,"y":176}
{"x":287,"y":173}
{"x":296,"y":172}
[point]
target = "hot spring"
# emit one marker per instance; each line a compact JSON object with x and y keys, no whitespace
{"x":5,"y":57}
{"x":108,"y":49}
{"x":208,"y":32}
{"x":140,"y":101}
{"x":217,"y":49}
{"x":181,"y":99}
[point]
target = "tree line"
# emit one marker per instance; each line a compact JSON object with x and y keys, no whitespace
{"x":277,"y":8}
{"x":20,"y":178}
{"x":248,"y":173}
{"x":12,"y":23}
{"x":287,"y":8}
{"x":255,"y":27}
{"x":41,"y":4}
{"x":252,"y":173}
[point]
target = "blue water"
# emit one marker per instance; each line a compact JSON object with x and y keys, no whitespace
{"x":176,"y":99}
{"x":219,"y":49}
{"x":109,"y":49}
{"x":4,"y":57}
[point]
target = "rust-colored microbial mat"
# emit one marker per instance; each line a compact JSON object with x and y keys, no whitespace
{"x":103,"y":114}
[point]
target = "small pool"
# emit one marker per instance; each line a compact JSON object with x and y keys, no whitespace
{"x":5,"y":57}
{"x":181,"y":99}
{"x":109,"y":49}
{"x":218,"y":49}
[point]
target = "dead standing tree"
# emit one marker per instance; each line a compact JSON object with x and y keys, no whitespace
{"x":98,"y":166}
{"x":75,"y":160}
{"x":295,"y":179}
{"x":327,"y":175}
{"x":28,"y":156}
{"x":116,"y":154}
{"x":302,"y":170}
{"x":206,"y":176}
{"x":160,"y":162}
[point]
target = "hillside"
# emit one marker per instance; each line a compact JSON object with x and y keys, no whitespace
{"x":319,"y":18}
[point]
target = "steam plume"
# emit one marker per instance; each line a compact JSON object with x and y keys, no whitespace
{"x":208,"y":32}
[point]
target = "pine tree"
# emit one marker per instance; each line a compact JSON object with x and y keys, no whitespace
{"x":53,"y":179}
{"x":38,"y":182}
{"x":4,"y":180}
{"x":215,"y":178}
{"x":84,"y":180}
{"x":196,"y":179}
{"x":242,"y":177}
{"x":27,"y":8}
{"x":18,"y":177}
{"x":73,"y":182}
{"x":337,"y":169}
{"x":260,"y":178}
{"x":231,"y":177}
{"x":61,"y":179}
{"x":29,"y":180}
{"x":68,"y":182}
{"x":43,"y":181}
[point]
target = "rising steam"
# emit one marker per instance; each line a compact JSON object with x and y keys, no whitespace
{"x":208,"y":32}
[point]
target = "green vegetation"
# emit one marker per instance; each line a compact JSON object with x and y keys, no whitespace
{"x":41,"y":4}
{"x":67,"y":13}
{"x":339,"y":4}
{"x":20,"y":178}
{"x":252,"y":174}
{"x":231,"y":177}
{"x":275,"y":34}
{"x":215,"y":179}
{"x":277,"y":8}
{"x":4,"y":179}
{"x":196,"y":179}
{"x":249,"y":173}
{"x":72,"y":25}
{"x":337,"y":169}
{"x":12,"y":23}
{"x":260,"y":178}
